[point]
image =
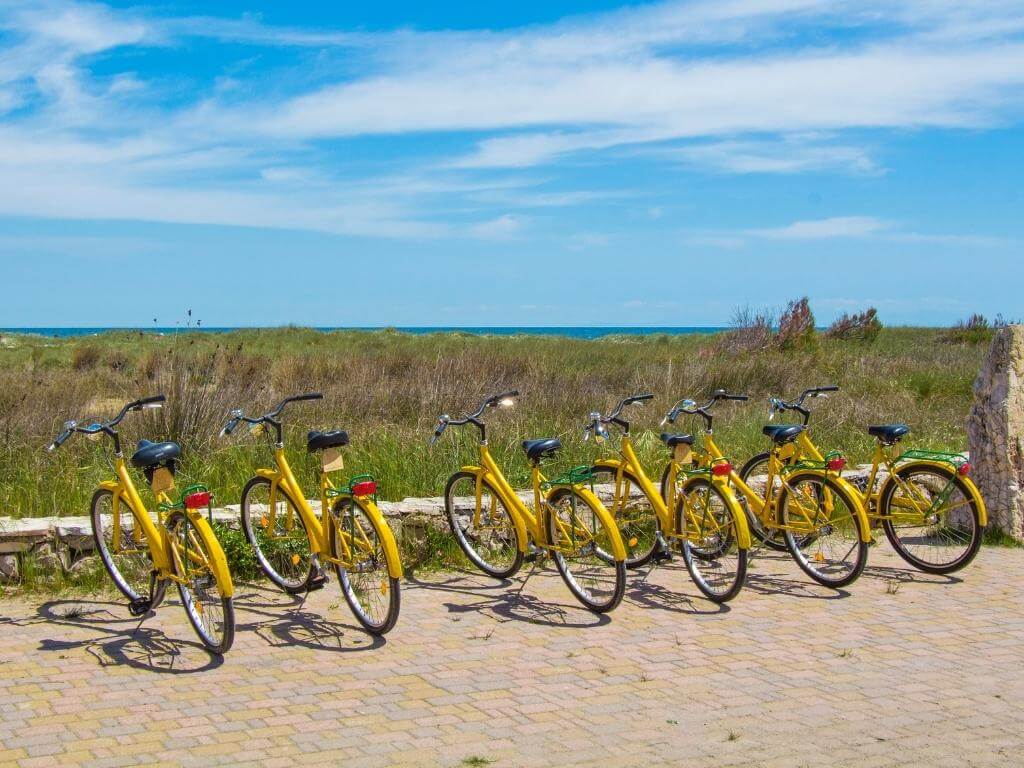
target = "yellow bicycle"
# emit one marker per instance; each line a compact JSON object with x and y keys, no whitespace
{"x":818,"y":514}
{"x":696,"y":508}
{"x":496,"y":530}
{"x":930,"y":509}
{"x":144,"y":553}
{"x":290,"y":541}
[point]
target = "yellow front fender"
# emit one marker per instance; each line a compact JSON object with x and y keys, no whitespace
{"x":618,"y":548}
{"x":218,"y":562}
{"x":522,"y":537}
{"x":111,"y":485}
{"x":972,"y":489}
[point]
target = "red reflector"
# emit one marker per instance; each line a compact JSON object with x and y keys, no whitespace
{"x":835,"y":465}
{"x":964,"y":469}
{"x":197,"y":500}
{"x":720,"y":470}
{"x":365,"y":488}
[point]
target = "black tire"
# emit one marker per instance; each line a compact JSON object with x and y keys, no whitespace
{"x":839,"y":550}
{"x":773,"y":539}
{"x":595,"y":582}
{"x":370,"y":575}
{"x":958,"y":543}
{"x":718,"y":566}
{"x":200,"y":594}
{"x":286,"y":559}
{"x":494,"y":548}
{"x":641,"y":524}
{"x":131,"y":565}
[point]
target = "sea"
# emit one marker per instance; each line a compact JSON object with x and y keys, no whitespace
{"x":576,"y":332}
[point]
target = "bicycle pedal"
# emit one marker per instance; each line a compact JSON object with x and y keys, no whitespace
{"x":140,"y":607}
{"x":317,"y":582}
{"x":662,"y":555}
{"x":533,"y":553}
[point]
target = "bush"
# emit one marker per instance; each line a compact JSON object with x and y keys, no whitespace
{"x":796,"y":325}
{"x":85,"y":356}
{"x":860,"y":326}
{"x":974,"y":330}
{"x":751,"y":332}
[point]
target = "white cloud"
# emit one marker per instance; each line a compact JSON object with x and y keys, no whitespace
{"x":503,"y":227}
{"x":824,"y":229}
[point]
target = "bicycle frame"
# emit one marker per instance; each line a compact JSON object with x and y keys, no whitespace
{"x":528,"y":523}
{"x":161,"y":548}
{"x":319,"y":533}
{"x":882,"y":457}
{"x":663,"y":507}
{"x":762,"y":504}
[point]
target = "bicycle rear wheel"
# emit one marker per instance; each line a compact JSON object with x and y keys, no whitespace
{"x":211,"y":614}
{"x":356,"y":542}
{"x":485,"y":531}
{"x":711,"y":549}
{"x":124,"y":549}
{"x":824,"y":533}
{"x":579,"y":539}
{"x":931,"y":518}
{"x":634,"y":514}
{"x":277,"y":535}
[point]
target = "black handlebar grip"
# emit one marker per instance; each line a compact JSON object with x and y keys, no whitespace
{"x":308,"y":396}
{"x":740,"y":398}
{"x":829,"y":388}
{"x":495,"y":398}
{"x":148,"y":400}
{"x":640,"y":398}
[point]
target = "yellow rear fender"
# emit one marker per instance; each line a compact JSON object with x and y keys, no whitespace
{"x":218,"y":562}
{"x":743,"y":540}
{"x":943,"y":467}
{"x":618,"y":548}
{"x":387,"y":538}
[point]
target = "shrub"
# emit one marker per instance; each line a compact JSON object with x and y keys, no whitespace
{"x":796,"y":325}
{"x":974,"y":330}
{"x":85,"y":356}
{"x":751,"y":332}
{"x":860,"y":326}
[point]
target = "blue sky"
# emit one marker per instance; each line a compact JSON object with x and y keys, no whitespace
{"x":557,"y":163}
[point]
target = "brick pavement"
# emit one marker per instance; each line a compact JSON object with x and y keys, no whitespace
{"x":904,"y":669}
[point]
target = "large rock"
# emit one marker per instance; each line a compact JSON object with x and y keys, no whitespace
{"x":995,"y":431}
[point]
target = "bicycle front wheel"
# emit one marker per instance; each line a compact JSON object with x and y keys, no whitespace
{"x":757,"y":467}
{"x":211,"y":614}
{"x":823,"y":531}
{"x":124,"y":548}
{"x":931,"y":518}
{"x":579,"y":540}
{"x":277,"y":534}
{"x":361,"y":564}
{"x":717,"y":565}
{"x":633,"y":512}
{"x":484,"y":530}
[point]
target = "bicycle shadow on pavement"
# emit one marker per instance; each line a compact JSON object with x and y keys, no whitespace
{"x":643,"y":593}
{"x":281,"y":619}
{"x":510,"y":604}
{"x":124,"y":641}
{"x":909,"y":575}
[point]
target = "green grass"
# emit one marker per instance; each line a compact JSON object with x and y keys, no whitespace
{"x":387,"y":388}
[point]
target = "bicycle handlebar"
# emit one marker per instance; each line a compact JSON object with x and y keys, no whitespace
{"x":777,"y":405}
{"x":691,"y":408}
{"x":237,"y":415}
{"x":106,"y":427}
{"x":595,"y":420}
{"x":444,"y":420}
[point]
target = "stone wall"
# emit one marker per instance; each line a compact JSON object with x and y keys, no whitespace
{"x":995,"y":431}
